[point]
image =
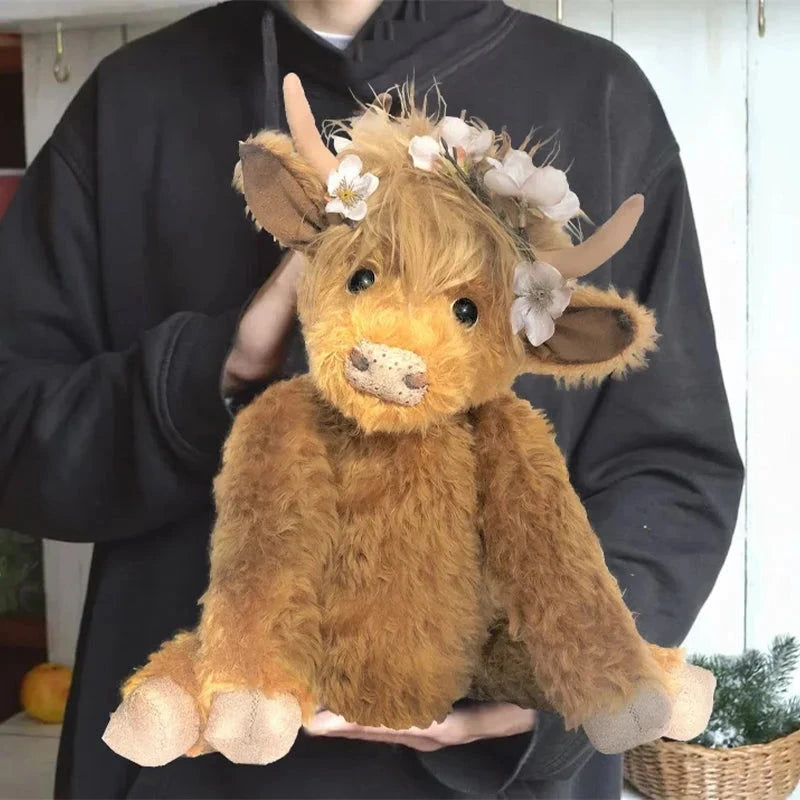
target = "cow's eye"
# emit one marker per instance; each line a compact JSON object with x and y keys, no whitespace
{"x":360,"y":280}
{"x":465,"y":311}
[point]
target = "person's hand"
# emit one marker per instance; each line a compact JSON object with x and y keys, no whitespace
{"x":461,"y":726}
{"x":260,"y":339}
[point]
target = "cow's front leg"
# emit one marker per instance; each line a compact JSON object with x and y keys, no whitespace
{"x":260,"y":639}
{"x":158,"y":719}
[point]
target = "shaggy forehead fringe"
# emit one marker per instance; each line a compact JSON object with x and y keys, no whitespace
{"x":429,"y":225}
{"x":437,"y":235}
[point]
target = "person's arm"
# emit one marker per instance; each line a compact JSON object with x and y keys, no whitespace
{"x":96,"y":444}
{"x":657,"y":466}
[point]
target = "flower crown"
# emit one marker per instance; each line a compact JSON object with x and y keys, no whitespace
{"x":464,"y":147}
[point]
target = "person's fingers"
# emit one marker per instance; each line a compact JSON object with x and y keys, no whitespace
{"x":277,"y":298}
{"x":283,"y":279}
{"x":463,"y":725}
{"x":421,"y":743}
{"x":263,"y":328}
{"x":491,"y":720}
{"x":291,"y":268}
{"x":325,"y":723}
{"x":500,"y":719}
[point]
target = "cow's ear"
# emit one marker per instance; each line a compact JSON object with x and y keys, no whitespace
{"x":283,"y":191}
{"x":600,"y":333}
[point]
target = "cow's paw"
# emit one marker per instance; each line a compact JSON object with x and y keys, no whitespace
{"x":692,"y":706}
{"x":642,"y":719}
{"x":155,"y":724}
{"x":248,"y":727}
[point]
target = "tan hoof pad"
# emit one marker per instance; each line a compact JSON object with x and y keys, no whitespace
{"x":643,"y":719}
{"x":693,"y":704}
{"x":155,"y":724}
{"x":248,"y":727}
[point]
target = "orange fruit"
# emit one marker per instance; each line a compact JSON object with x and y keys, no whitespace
{"x":44,"y":692}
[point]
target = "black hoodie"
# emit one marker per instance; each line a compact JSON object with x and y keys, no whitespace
{"x":125,"y":259}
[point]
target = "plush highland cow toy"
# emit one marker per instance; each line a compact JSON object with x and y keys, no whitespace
{"x":396,"y":529}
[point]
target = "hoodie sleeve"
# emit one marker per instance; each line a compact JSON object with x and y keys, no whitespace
{"x":96,"y":444}
{"x":660,"y":476}
{"x":657,"y":466}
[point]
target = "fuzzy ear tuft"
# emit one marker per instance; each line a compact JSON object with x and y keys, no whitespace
{"x":283,"y":193}
{"x":600,"y":334}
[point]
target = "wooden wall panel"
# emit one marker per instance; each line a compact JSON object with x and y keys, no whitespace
{"x":592,"y":16}
{"x":135,"y":30}
{"x":45,"y":98}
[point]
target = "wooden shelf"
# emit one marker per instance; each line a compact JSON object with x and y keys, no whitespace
{"x":36,"y":16}
{"x":23,"y":631}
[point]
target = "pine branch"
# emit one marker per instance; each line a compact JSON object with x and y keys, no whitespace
{"x":751,"y":704}
{"x":785,"y":654}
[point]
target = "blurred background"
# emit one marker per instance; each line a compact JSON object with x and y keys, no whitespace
{"x":727,"y":73}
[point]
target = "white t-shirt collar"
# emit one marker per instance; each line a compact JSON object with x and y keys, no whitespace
{"x":338,"y":40}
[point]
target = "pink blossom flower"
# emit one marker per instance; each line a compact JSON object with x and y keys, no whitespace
{"x":542,"y":294}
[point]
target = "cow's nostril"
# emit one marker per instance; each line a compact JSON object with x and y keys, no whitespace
{"x":359,"y":360}
{"x":415,"y":380}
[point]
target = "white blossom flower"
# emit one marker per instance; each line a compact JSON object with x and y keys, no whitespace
{"x":349,"y":189}
{"x":567,"y":208}
{"x":341,"y":143}
{"x":546,"y":188}
{"x":542,"y":294}
{"x":424,"y":151}
{"x":457,"y":133}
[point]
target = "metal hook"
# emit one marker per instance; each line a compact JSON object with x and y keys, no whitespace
{"x":762,"y":18}
{"x":60,"y":67}
{"x":560,"y":11}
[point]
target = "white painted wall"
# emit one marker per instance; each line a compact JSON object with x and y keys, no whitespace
{"x":695,"y":55}
{"x":773,"y":331}
{"x":727,"y":94}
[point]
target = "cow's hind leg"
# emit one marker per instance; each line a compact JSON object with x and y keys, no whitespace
{"x":504,"y":673}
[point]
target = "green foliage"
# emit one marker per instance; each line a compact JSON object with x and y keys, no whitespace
{"x":21,"y":590}
{"x":751,"y":704}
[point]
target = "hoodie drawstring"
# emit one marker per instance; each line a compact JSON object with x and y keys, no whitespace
{"x":272,"y":88}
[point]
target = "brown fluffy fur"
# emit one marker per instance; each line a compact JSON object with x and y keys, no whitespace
{"x":363,"y":550}
{"x":536,"y":534}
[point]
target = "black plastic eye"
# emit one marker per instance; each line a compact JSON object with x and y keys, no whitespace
{"x":465,"y":311}
{"x":360,"y":280}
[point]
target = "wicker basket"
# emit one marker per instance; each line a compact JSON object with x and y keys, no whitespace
{"x":667,"y":770}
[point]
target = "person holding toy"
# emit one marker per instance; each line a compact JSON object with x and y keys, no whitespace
{"x":128,"y":263}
